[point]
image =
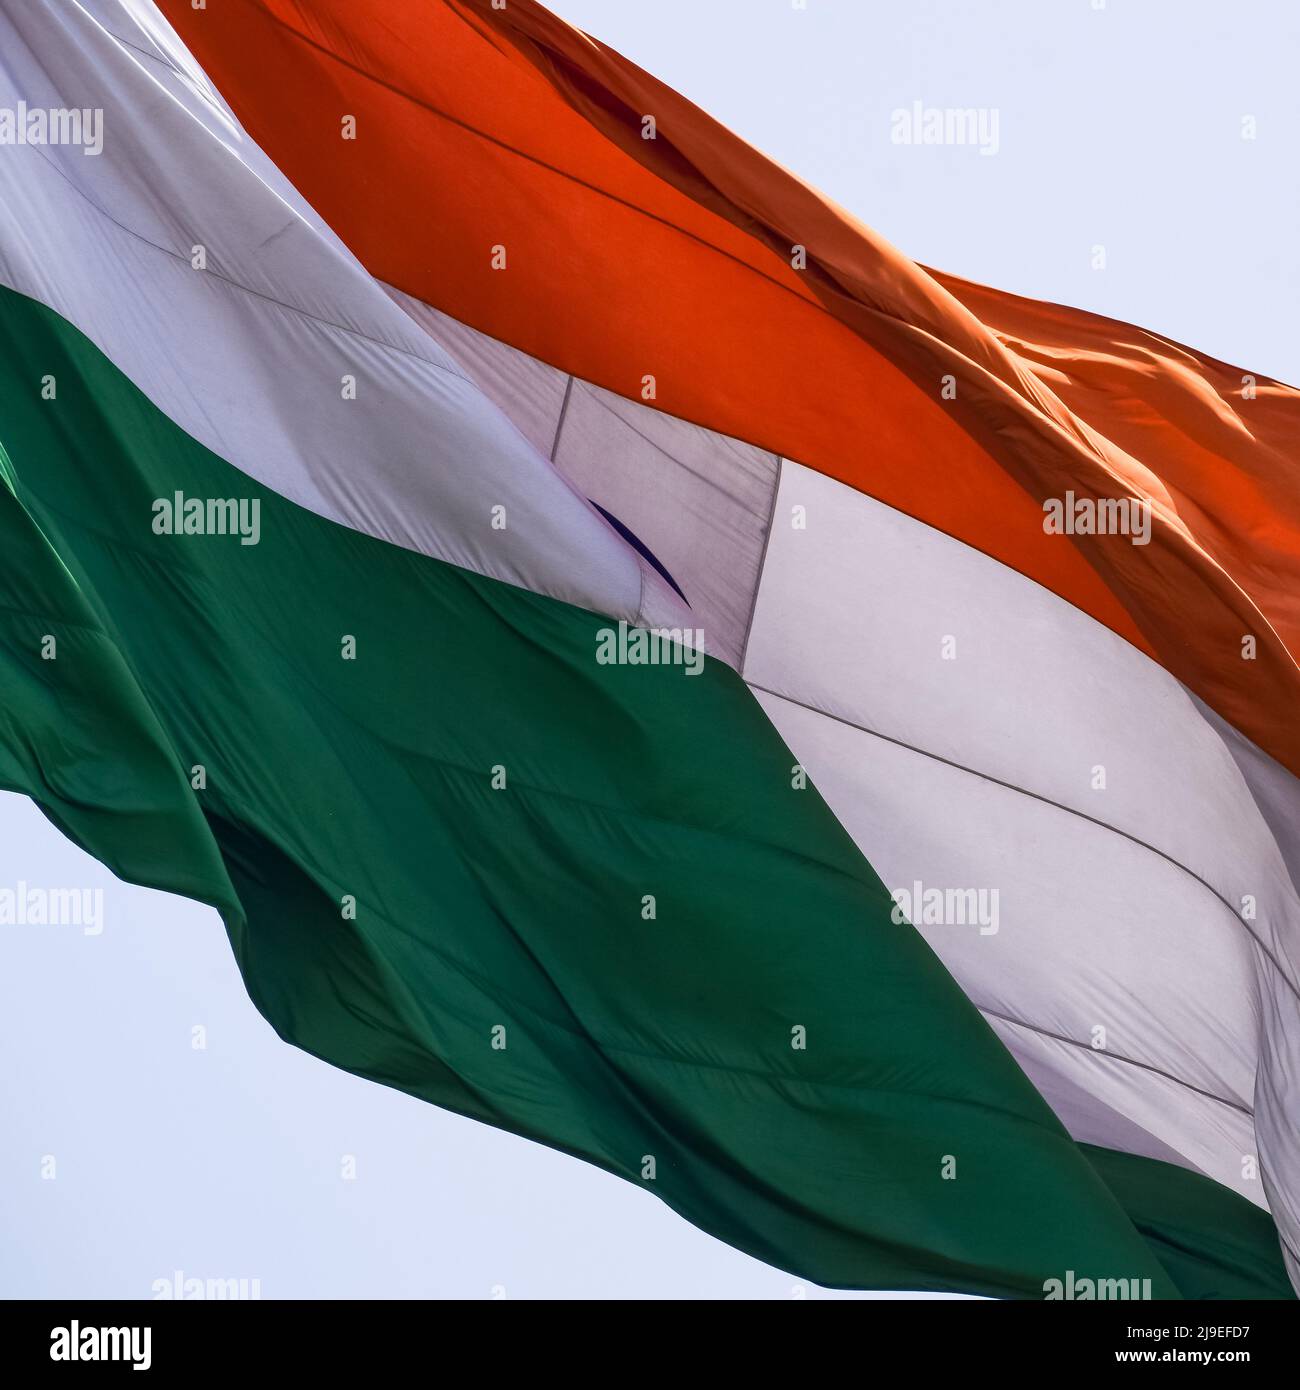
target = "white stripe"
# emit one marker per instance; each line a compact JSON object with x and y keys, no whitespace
{"x":702,"y":497}
{"x":960,"y":722}
{"x":249,"y":355}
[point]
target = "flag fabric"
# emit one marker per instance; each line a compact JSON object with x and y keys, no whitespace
{"x":636,"y":660}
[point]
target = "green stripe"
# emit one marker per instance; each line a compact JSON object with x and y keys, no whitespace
{"x":518,"y":908}
{"x":76,"y":732}
{"x":1213,"y":1242}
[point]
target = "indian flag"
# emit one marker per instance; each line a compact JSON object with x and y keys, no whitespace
{"x":638,"y":661}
